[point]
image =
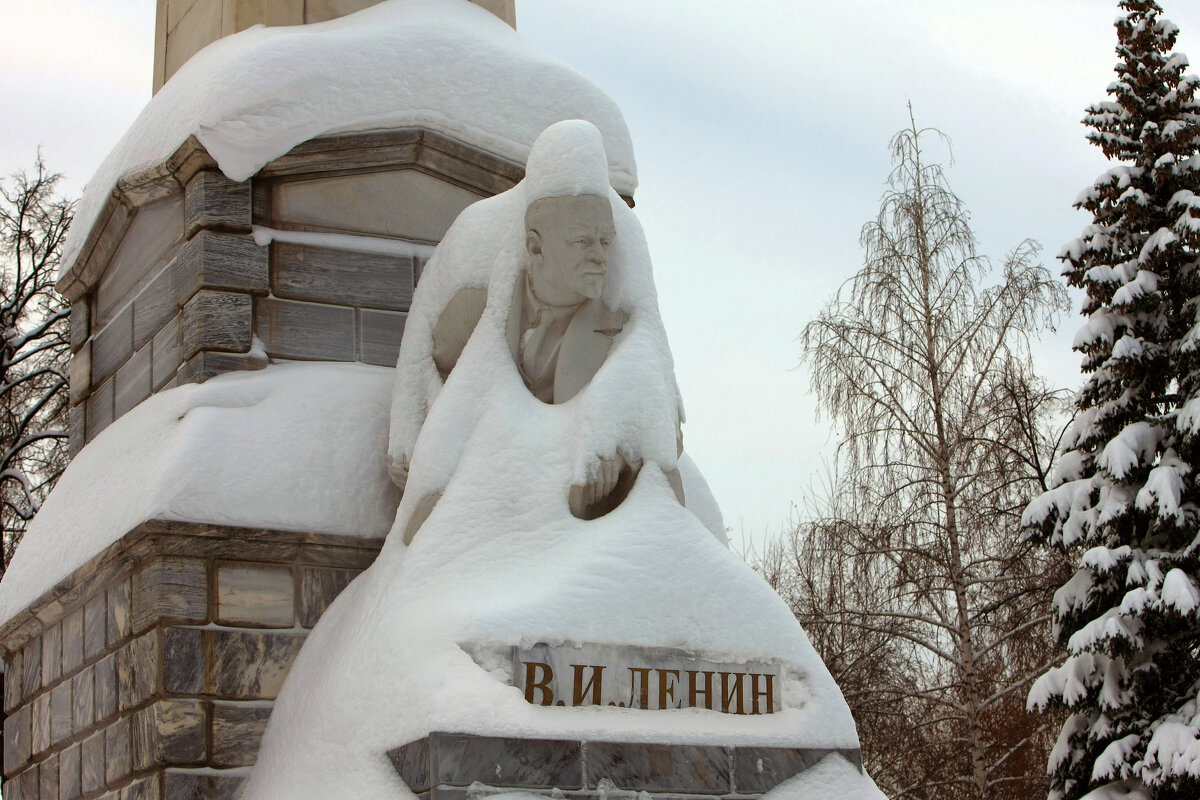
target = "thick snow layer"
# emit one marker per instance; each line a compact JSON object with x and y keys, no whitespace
{"x":292,"y":447}
{"x":501,"y":562}
{"x":447,"y":65}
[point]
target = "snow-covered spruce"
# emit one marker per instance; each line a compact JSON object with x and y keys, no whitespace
{"x":1125,"y":505}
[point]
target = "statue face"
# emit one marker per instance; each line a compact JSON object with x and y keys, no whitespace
{"x":568,"y":240}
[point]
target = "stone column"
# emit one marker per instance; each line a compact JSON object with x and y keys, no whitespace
{"x":184,"y":27}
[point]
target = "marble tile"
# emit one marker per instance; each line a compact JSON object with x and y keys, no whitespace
{"x":14,"y":679}
{"x":119,"y":609}
{"x":91,"y":763}
{"x":48,"y":778}
{"x":95,"y":614}
{"x":237,"y":729}
{"x":170,"y":732}
{"x":251,"y":665}
{"x":183,"y":660}
{"x":69,"y":786}
{"x":137,"y":670}
{"x":105,"y":688}
{"x":61,"y":712}
{"x":318,"y":588}
{"x":51,"y":654}
{"x":690,"y":769}
{"x":118,"y":749}
{"x":760,"y":769}
{"x":460,"y":760}
{"x":255,"y":595}
{"x":83,"y":700}
{"x":32,"y":663}
{"x":17,"y":739}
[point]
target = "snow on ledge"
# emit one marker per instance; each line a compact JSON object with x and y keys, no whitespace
{"x":290,"y":447}
{"x":446,"y":65}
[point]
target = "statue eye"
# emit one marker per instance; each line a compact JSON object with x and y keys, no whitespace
{"x":605,"y":242}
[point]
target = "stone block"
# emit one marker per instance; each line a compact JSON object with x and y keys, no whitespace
{"x":213,"y":201}
{"x":171,"y":588}
{"x":72,"y":641}
{"x":255,"y":595}
{"x":137,"y":671}
{"x":216,"y":321}
{"x":18,"y":742}
{"x":81,"y":314}
{"x":94,"y":629}
{"x":151,"y":235}
{"x":91,"y":762}
{"x":147,"y":788}
{"x":51,"y":654}
{"x":461,"y":760}
{"x":62,"y":711}
{"x":105,"y":687}
{"x":48,"y":778}
{"x":120,"y":605}
{"x":99,"y":409}
{"x":686,"y":769}
{"x":342,"y":277}
{"x":31,"y":658}
{"x":132,"y":383}
{"x":118,"y":751}
{"x":250,"y":666}
{"x":83,"y":700}
{"x":379,"y":335}
{"x":41,"y":724}
{"x":318,"y":588}
{"x":170,"y":732}
{"x":155,"y":304}
{"x":14,"y":677}
{"x":69,"y":774}
{"x":165,"y":354}
{"x":237,"y":729}
{"x":113,"y":345}
{"x":81,"y":374}
{"x":399,"y":203}
{"x":183,"y":660}
{"x":208,"y":364}
{"x":29,"y":784}
{"x":76,"y":429}
{"x":223,"y":262}
{"x":182,"y":784}
{"x":291,"y":329}
{"x":760,"y":769}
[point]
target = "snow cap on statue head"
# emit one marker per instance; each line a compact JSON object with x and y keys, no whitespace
{"x":567,"y":160}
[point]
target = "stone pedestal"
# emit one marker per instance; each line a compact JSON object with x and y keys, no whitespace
{"x":149,"y":673}
{"x":172,"y":286}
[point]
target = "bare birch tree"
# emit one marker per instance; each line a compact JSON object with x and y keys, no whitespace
{"x":34,"y":350}
{"x":924,"y":367}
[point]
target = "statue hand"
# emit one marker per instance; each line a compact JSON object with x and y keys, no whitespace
{"x":603,"y":476}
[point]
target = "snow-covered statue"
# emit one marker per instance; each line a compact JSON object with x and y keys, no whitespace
{"x":551,"y":283}
{"x":535,"y":381}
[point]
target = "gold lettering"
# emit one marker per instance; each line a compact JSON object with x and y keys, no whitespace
{"x":579,"y":694}
{"x":707,"y":691}
{"x":639,"y":698}
{"x":728,"y":692}
{"x":666,"y":687}
{"x":756,"y":694}
{"x":533,"y":685}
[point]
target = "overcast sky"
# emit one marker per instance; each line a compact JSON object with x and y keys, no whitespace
{"x":761,"y":131}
